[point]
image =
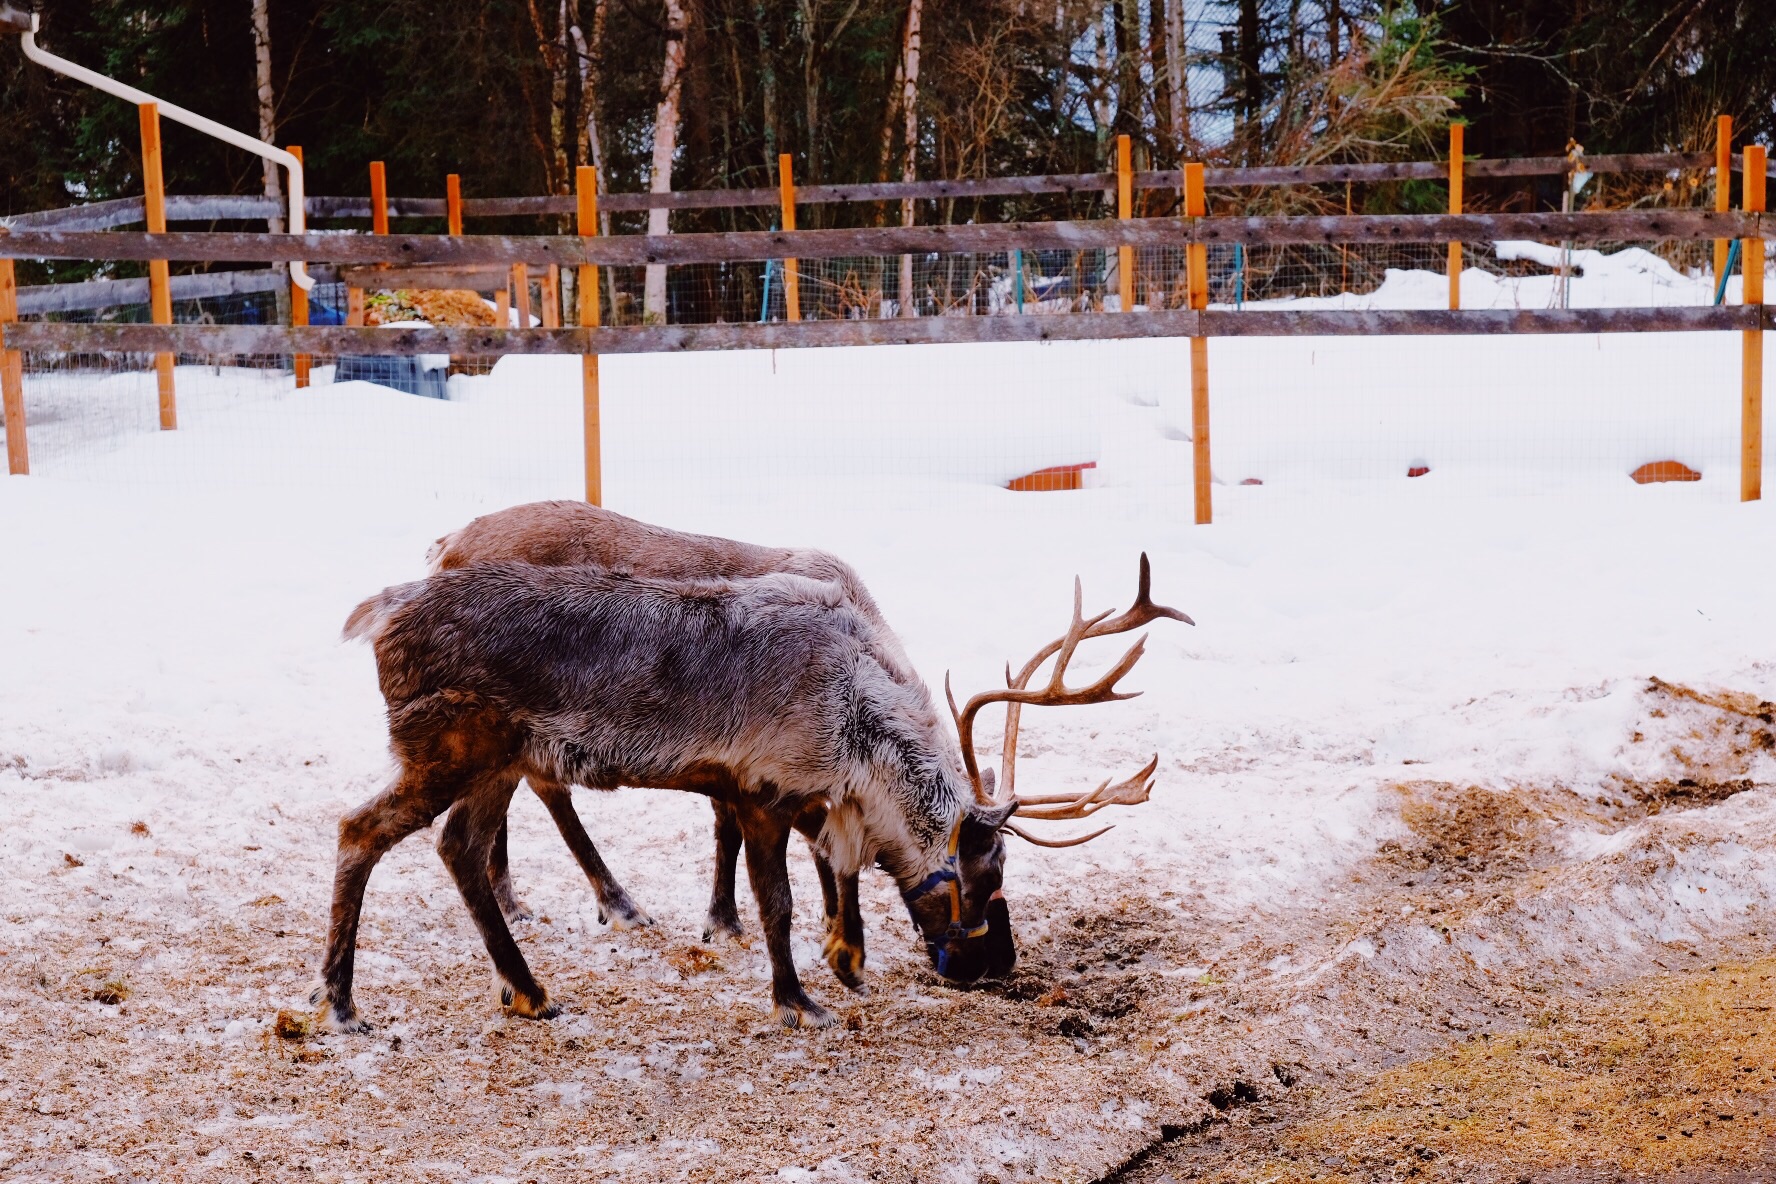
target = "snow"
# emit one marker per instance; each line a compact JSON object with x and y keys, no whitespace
{"x":171,"y":603}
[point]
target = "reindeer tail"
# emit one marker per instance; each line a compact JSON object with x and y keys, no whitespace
{"x":370,"y":618}
{"x":438,"y":550}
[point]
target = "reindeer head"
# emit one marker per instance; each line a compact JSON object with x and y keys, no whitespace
{"x":978,"y":850}
{"x":958,"y":909}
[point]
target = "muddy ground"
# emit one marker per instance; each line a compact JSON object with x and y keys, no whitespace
{"x":1513,"y":984}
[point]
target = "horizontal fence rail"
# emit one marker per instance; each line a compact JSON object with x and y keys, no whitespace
{"x":106,"y":215}
{"x":217,"y":340}
{"x":94,"y":294}
{"x":743,"y":246}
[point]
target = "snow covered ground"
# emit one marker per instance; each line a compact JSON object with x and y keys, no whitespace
{"x":1369,"y":647}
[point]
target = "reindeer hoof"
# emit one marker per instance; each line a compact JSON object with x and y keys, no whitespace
{"x":333,"y":1017}
{"x":846,"y":961}
{"x":623,"y":914}
{"x":519,"y":1004}
{"x":517,"y":912}
{"x":804,"y":1013}
{"x":722,"y":929}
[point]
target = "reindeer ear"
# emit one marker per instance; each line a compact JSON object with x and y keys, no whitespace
{"x":987,"y":818}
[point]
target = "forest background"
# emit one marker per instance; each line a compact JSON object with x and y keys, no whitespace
{"x":514,"y":95}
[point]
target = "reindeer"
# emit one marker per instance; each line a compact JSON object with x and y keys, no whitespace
{"x":565,"y":533}
{"x":764,"y":693}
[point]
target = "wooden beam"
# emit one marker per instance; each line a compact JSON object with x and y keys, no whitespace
{"x":453,"y":211}
{"x":639,"y":250}
{"x":1455,"y":207}
{"x":12,"y":379}
{"x":586,"y":185}
{"x":1197,"y":262}
{"x":160,"y":296}
{"x":91,"y":294}
{"x":1751,"y":424}
{"x":103,"y":215}
{"x":222,"y":340}
{"x":379,"y":198}
{"x":301,"y":363}
{"x":1125,"y":209}
{"x":1723,"y":187}
{"x":521,"y":292}
{"x":792,"y":280}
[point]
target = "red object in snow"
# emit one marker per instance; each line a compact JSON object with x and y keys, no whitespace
{"x":1052,"y":479}
{"x":1664,"y":470}
{"x":1252,"y":481}
{"x":1418,"y":470}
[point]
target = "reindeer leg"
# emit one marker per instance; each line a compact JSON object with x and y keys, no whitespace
{"x":843,"y":945}
{"x":499,"y":875}
{"x":724,"y":916}
{"x":614,"y":906}
{"x":365,"y":834}
{"x":767,"y":840}
{"x":465,"y":847}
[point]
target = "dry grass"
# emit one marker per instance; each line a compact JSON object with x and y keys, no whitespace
{"x":1672,"y":1074}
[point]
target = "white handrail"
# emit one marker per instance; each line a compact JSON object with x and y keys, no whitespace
{"x":28,"y":42}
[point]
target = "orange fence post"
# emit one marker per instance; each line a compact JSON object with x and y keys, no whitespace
{"x":160,"y":292}
{"x":521,"y":292}
{"x":453,"y":203}
{"x":1723,"y":188}
{"x":551,"y":293}
{"x":1751,"y":421}
{"x":1455,"y":207}
{"x":12,"y":379}
{"x":1196,"y":257}
{"x":1125,"y":209}
{"x":792,"y":280}
{"x":587,"y":191}
{"x":379,"y":198}
{"x":299,"y":312}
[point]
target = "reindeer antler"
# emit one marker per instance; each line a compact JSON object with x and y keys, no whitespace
{"x":1059,"y":807}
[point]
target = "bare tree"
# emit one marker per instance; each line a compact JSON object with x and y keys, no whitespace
{"x":666,"y":120}
{"x":909,"y":103}
{"x":267,"y":105}
{"x":1179,"y":76}
{"x":589,"y":91}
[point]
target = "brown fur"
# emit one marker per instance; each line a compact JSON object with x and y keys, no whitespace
{"x":565,"y":533}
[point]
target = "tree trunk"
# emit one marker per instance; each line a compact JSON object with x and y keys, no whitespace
{"x":767,"y":87}
{"x":666,"y":118}
{"x":1334,"y":16}
{"x":909,"y":102}
{"x":589,"y":90}
{"x":1180,"y":77}
{"x":1251,"y":63}
{"x":267,"y":104}
{"x":1126,"y":18}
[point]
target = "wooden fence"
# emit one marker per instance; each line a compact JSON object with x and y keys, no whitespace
{"x":385,"y":260}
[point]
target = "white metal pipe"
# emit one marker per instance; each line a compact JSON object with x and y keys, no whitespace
{"x":209,"y":127}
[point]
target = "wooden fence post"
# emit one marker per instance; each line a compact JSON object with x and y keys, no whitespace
{"x":453,"y":203}
{"x":299,"y":311}
{"x":521,"y":291}
{"x":160,"y":294}
{"x":1723,"y":189}
{"x":587,"y":191}
{"x":1125,"y":209}
{"x":1455,"y":207}
{"x":12,"y":379}
{"x":792,"y":280}
{"x":379,"y":224}
{"x":1751,"y":256}
{"x":551,"y":294}
{"x":1196,"y":257}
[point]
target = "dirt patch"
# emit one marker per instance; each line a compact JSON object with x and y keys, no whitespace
{"x":1664,"y":1078}
{"x":1096,"y":969}
{"x":1468,"y":834}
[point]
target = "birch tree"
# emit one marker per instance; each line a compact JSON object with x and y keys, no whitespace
{"x":267,"y":106}
{"x":909,"y":103}
{"x":666,"y":120}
